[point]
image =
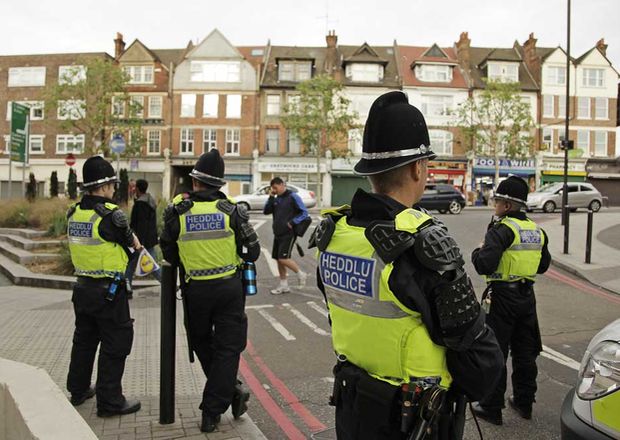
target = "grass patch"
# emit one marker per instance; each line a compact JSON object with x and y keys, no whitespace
{"x":43,"y":214}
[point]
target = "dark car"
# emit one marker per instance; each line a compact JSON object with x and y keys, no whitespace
{"x":443,"y":198}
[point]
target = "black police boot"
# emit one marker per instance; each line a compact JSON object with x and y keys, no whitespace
{"x":240,"y":399}
{"x":78,"y":399}
{"x":491,"y":415}
{"x":209,"y":422}
{"x":130,"y":406}
{"x":524,"y":411}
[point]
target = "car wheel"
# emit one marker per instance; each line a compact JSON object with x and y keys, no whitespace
{"x":245,"y":205}
{"x":595,"y":205}
{"x":442,"y":211}
{"x":455,"y":207}
{"x":549,"y":207}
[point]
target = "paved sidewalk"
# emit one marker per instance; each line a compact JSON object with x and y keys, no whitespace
{"x":604,"y":271}
{"x":36,"y":327}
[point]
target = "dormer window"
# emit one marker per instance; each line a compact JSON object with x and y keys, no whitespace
{"x":364,"y":72}
{"x":504,"y":72}
{"x":295,"y":71}
{"x":433,"y":73}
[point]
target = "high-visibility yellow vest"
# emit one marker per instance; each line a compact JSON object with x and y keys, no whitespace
{"x":370,"y":326}
{"x":207,"y":246}
{"x":92,"y":256}
{"x":521,"y":259}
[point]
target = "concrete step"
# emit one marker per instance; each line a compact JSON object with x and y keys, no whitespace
{"x":22,"y":256}
{"x":29,"y":244}
{"x":26,"y":233}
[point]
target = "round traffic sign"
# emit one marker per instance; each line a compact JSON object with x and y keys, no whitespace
{"x":70,"y":159}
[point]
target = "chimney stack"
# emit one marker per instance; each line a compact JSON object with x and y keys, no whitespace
{"x":119,"y":45}
{"x":532,"y":60}
{"x":462,"y":50}
{"x":331,"y":39}
{"x":601,"y":46}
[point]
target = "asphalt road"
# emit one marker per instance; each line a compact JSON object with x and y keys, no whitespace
{"x":289,"y":357}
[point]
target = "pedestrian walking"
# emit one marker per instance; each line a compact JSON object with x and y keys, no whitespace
{"x":514,"y":250}
{"x":407,"y":328}
{"x":288,"y":210}
{"x":144,"y":223}
{"x":209,"y":236}
{"x":99,"y":238}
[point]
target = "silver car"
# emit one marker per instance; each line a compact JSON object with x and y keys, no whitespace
{"x":258,"y":198}
{"x":580,"y":195}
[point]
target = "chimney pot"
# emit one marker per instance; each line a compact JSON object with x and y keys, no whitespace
{"x":119,"y":45}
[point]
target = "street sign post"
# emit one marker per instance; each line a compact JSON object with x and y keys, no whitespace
{"x":117,"y":145}
{"x":20,"y":115}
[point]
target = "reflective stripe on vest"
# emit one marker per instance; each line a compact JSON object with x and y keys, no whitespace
{"x":92,"y":256}
{"x":207,"y":245}
{"x":369,"y":325}
{"x":521,"y":259}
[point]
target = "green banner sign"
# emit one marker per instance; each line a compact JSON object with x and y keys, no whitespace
{"x":19,"y":132}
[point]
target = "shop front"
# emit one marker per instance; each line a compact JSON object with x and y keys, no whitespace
{"x":604,"y":174}
{"x":451,"y":172}
{"x":344,"y":182}
{"x":238,"y":176}
{"x":552,"y":170}
{"x":484,"y":174}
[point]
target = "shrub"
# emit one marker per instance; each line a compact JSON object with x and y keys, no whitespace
{"x":31,"y":188}
{"x":18,"y":213}
{"x":72,"y":184}
{"x":54,"y":184}
{"x":58,"y":225}
{"x":65,"y":266}
{"x":14,"y":213}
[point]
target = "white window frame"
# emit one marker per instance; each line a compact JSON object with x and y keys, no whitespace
{"x":186,"y":146}
{"x":153,"y":105}
{"x":553,"y":76}
{"x":583,"y":140}
{"x":140,"y":74}
{"x":138,"y":99}
{"x":233,"y":141}
{"x":275,"y":149}
{"x":599,"y":135}
{"x":188,"y":105}
{"x":354,"y":141}
{"x":233,"y":106}
{"x":71,"y":109}
{"x":215,"y":71}
{"x":433,"y":73}
{"x":597,"y":107}
{"x":294,"y":71}
{"x":292,"y":140}
{"x":77,"y":74}
{"x":436,"y":105}
{"x":580,"y":114}
{"x":594,"y":78}
{"x":153,"y":137}
{"x":33,"y":76}
{"x":364,"y":72}
{"x":210,"y":104}
{"x":36,"y":138}
{"x":273,"y":105}
{"x":562,"y":106}
{"x":547,"y":138}
{"x":118,"y":102}
{"x":443,"y":137}
{"x":500,"y":71}
{"x":209,"y":139}
{"x":34,"y":106}
{"x":549,"y":104}
{"x":66,"y":139}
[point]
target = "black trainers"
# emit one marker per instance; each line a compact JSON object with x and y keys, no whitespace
{"x":209,"y":422}
{"x":240,"y":399}
{"x":130,"y":406}
{"x":77,"y":400}
{"x":493,"y":416}
{"x":525,"y":411}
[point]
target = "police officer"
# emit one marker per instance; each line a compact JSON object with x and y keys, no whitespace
{"x":99,"y":240}
{"x":208,"y":235}
{"x":406,"y":325}
{"x":513,"y":252}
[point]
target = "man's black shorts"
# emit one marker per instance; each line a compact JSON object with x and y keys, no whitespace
{"x":283,"y":246}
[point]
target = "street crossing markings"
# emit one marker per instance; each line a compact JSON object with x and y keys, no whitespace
{"x":558,"y":357}
{"x":303,"y":318}
{"x":257,"y":223}
{"x":259,"y":306}
{"x":277,"y":325}
{"x":318,"y":308}
{"x":273,"y":266}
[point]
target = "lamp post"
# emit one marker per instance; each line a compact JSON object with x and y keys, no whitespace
{"x":566,"y":134}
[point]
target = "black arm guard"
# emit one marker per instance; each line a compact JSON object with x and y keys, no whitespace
{"x":183,"y":206}
{"x":437,"y":250}
{"x":323,"y":233}
{"x":120,"y":220}
{"x":70,"y":211}
{"x":247,"y":234}
{"x":225,"y":206}
{"x":388,"y":242}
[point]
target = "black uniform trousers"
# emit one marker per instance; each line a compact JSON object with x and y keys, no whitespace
{"x":513,"y":319}
{"x":218,"y":331}
{"x":98,"y":321}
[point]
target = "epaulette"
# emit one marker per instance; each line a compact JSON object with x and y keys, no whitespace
{"x":182,"y":203}
{"x":104,"y":209}
{"x":72,"y":209}
{"x":388,"y":241}
{"x":226,"y":206}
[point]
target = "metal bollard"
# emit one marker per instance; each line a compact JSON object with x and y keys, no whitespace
{"x":168,"y":336}
{"x":566,"y":228}
{"x":589,"y":237}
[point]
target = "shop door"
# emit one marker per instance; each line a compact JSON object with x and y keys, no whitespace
{"x":343,"y":188}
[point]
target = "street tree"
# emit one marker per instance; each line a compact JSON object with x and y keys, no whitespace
{"x":320,"y":118}
{"x":72,"y":186}
{"x":31,"y":188}
{"x":90,"y":98}
{"x":496,"y":123}
{"x":54,"y":184}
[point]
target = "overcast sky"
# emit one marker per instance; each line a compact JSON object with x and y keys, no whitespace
{"x":36,"y":26}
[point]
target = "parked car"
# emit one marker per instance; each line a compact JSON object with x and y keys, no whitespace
{"x":580,"y":195}
{"x":443,"y":198}
{"x":591,"y":409}
{"x":258,"y":198}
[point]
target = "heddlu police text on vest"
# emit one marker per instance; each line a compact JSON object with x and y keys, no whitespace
{"x":204,"y":222}
{"x":80,"y":229}
{"x":344,"y":272}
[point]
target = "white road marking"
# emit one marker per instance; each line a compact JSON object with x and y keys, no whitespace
{"x":273,"y":266}
{"x":318,"y":308}
{"x":303,"y":318}
{"x":276,"y":325}
{"x":558,"y":357}
{"x":257,"y":223}
{"x":259,"y":306}
{"x":328,"y":379}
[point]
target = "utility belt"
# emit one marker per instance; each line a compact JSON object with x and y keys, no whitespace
{"x":111,"y":286}
{"x":523,"y":286}
{"x":421,"y":408}
{"x":85,"y":281}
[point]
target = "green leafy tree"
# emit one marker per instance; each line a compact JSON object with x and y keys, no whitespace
{"x":54,"y":184}
{"x":72,"y":184}
{"x":319,"y":119}
{"x":31,"y":188}
{"x":497,"y":123}
{"x":90,"y":98}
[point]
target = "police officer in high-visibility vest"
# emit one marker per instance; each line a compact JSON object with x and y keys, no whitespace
{"x":99,"y":241}
{"x":407,"y":328}
{"x":209,"y":236}
{"x":513,"y":252}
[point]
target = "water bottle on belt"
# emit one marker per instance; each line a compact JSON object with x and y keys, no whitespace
{"x":113,"y":288}
{"x":248,"y":278}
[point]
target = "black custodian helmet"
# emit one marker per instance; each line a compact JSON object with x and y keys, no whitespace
{"x":210,"y":169}
{"x":97,"y":172}
{"x":513,"y":189}
{"x":395,"y":135}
